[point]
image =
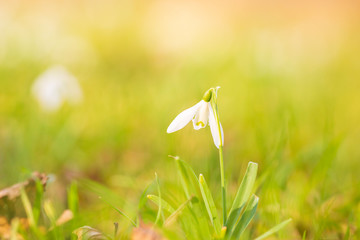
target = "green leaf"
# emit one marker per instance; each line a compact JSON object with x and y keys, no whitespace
{"x":232,"y":220}
{"x":246,"y":186}
{"x":188,"y":178}
{"x":210,"y":205}
{"x":246,"y":217}
{"x":274,"y":229}
{"x":176,"y":213}
{"x":242,"y":196}
{"x":190,"y":184}
{"x":199,"y":214}
{"x":160,"y":205}
{"x":184,"y":177}
{"x":73,"y":198}
{"x":165,"y":205}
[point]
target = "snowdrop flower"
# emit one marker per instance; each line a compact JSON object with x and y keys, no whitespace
{"x":55,"y":87}
{"x":201,"y":114}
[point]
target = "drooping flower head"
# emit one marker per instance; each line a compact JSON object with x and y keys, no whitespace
{"x":201,"y":114}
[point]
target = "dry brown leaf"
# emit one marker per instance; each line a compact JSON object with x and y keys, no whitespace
{"x":14,"y":191}
{"x":66,"y":216}
{"x":10,"y":202}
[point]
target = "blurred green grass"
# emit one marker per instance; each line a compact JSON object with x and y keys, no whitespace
{"x":290,"y":105}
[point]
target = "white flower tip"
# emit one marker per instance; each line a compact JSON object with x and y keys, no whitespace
{"x":183,"y":118}
{"x":170,"y":130}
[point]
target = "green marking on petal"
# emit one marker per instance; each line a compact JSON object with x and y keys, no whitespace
{"x":200,"y":123}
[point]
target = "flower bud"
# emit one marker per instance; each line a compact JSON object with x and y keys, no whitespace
{"x":207,"y":95}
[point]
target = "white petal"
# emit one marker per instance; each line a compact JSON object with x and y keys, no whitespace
{"x":214,"y":128}
{"x":183,"y":118}
{"x":201,"y":117}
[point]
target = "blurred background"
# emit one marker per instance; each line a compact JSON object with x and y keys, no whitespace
{"x":88,"y":88}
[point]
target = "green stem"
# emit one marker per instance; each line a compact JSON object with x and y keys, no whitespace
{"x":221,"y":156}
{"x":223,"y":190}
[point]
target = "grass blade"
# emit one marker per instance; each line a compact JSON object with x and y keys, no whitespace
{"x":246,"y":217}
{"x":165,"y":205}
{"x":73,"y":198}
{"x":14,"y":228}
{"x":73,"y":205}
{"x":50,"y":212}
{"x":160,"y":205}
{"x":28,"y":208}
{"x":304,"y":235}
{"x":209,"y":203}
{"x":119,"y":211}
{"x":30,"y":215}
{"x":176,"y":213}
{"x":274,"y":229}
{"x":143,"y":196}
{"x":38,"y":200}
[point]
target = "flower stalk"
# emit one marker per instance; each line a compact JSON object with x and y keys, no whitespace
{"x":221,"y":155}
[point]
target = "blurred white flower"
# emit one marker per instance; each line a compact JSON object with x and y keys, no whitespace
{"x":55,"y":87}
{"x":201,"y":114}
